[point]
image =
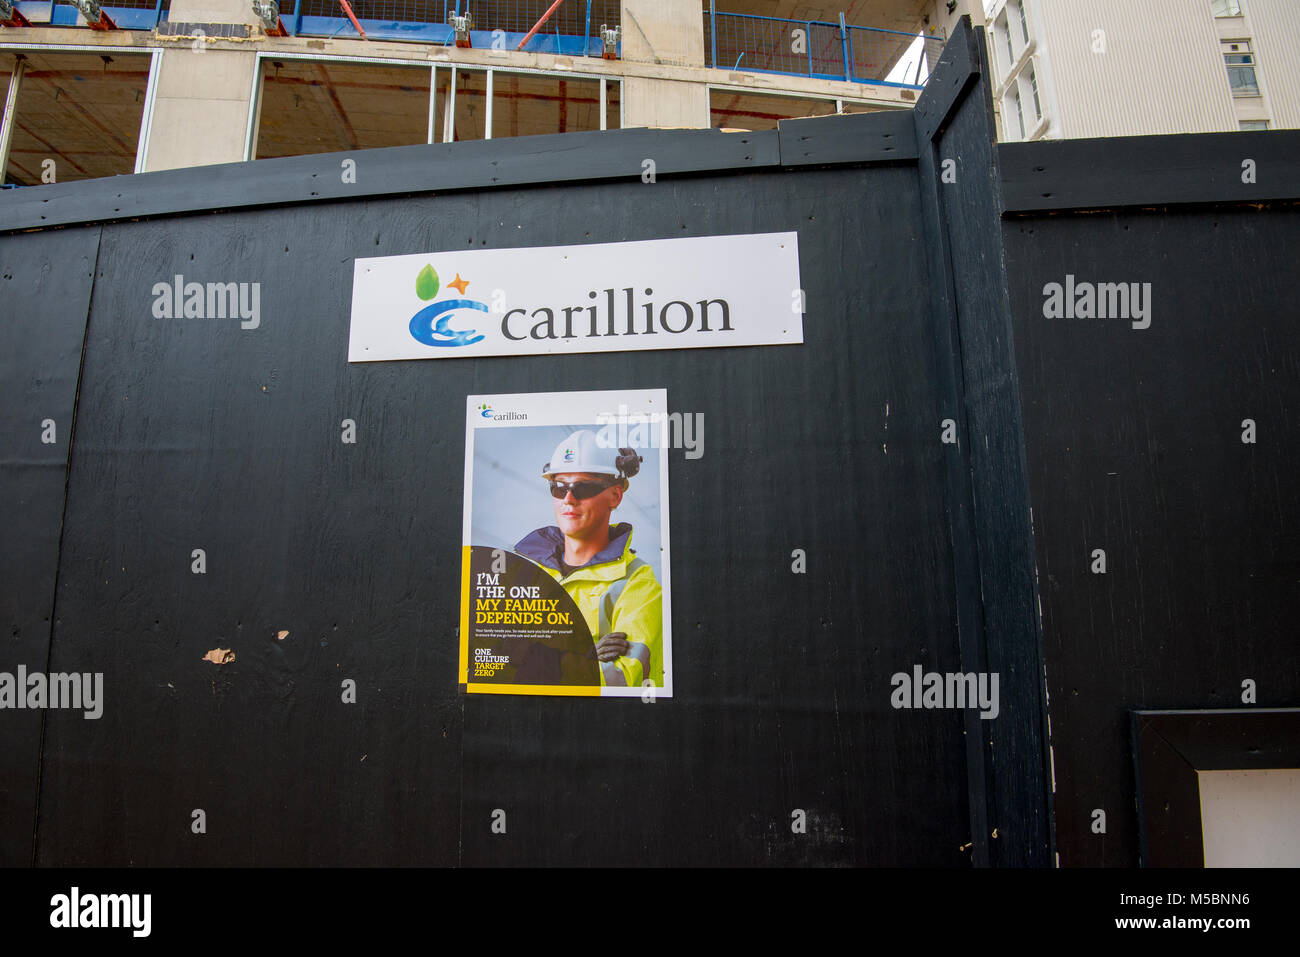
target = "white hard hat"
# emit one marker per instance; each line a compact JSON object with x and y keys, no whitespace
{"x":582,"y":452}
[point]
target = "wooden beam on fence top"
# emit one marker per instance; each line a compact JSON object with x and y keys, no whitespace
{"x":1189,"y":168}
{"x":887,"y":136}
{"x":472,"y":164}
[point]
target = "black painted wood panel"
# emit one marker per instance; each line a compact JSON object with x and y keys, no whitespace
{"x":198,"y":434}
{"x":45,"y":287}
{"x":1135,"y":447}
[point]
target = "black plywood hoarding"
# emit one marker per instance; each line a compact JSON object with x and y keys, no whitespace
{"x":45,"y":285}
{"x":200,"y":434}
{"x":1136,"y":448}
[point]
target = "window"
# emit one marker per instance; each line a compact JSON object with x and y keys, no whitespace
{"x":1226,"y":8}
{"x":1003,"y":30}
{"x":58,"y":103}
{"x":1241,"y":67}
{"x":1033,"y":88}
{"x":1253,"y":124}
{"x":1020,"y":113}
{"x":1024,"y":26}
{"x":326,"y":106}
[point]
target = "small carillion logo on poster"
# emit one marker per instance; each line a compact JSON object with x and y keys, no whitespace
{"x":431,"y":325}
{"x":486,"y":411}
{"x":568,"y":455}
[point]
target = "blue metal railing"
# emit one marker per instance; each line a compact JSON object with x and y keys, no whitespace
{"x":572,"y":30}
{"x":818,"y":49}
{"x":127,"y":14}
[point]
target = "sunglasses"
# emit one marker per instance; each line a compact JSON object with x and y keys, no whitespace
{"x":579,"y":489}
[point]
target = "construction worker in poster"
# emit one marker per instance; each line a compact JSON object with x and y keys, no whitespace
{"x":616,"y":592}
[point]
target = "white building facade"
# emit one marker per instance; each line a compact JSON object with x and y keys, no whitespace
{"x":1066,"y":69}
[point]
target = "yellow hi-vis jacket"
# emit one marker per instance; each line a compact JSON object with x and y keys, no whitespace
{"x":615,"y":591}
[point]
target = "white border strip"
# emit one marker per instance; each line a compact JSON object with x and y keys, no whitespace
{"x":12,"y":92}
{"x":568,"y":74}
{"x":433,"y":99}
{"x":254,"y":108}
{"x":449,"y":110}
{"x":30,"y":47}
{"x":146,"y":119}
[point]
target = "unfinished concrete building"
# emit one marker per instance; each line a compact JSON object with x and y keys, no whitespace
{"x":145,"y":85}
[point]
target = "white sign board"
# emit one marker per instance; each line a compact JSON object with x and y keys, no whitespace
{"x":687,"y":293}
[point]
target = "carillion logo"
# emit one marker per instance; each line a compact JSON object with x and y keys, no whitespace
{"x":488,"y":412}
{"x":611,"y":316}
{"x":568,"y":455}
{"x":430,"y":325}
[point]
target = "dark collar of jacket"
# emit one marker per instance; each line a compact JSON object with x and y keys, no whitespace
{"x":546,"y":546}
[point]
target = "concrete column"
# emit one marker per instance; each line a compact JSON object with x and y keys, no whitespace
{"x":669,"y":32}
{"x":200,"y":114}
{"x":666,"y":104}
{"x":212,"y":11}
{"x":663,"y":31}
